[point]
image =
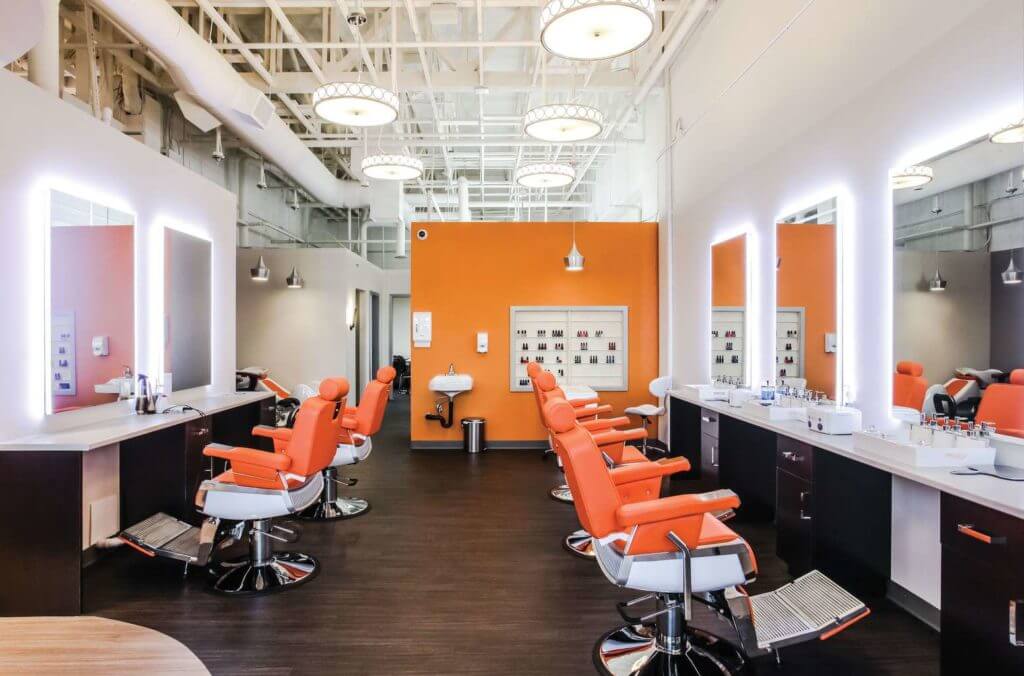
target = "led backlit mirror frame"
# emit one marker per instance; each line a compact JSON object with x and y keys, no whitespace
{"x":67,"y":335}
{"x":730,"y":325}
{"x":802,"y":330}
{"x":187,"y":327}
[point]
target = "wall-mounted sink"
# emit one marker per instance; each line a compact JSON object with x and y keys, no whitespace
{"x":451,"y":384}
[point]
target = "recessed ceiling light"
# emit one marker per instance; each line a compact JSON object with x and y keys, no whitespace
{"x":355,"y":104}
{"x":1011,"y":133}
{"x":545,"y":175}
{"x":589,"y":30}
{"x":911,"y":177}
{"x":563,"y":122}
{"x":392,"y":167}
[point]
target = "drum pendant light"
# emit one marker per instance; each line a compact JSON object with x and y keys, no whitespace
{"x":911,"y":177}
{"x":355,"y":104}
{"x":397,"y":167}
{"x":545,"y":175}
{"x":261,"y":272}
{"x":563,"y":122}
{"x":590,"y":30}
{"x":1011,"y":133}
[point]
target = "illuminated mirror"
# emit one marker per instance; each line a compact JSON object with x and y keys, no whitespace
{"x":959,"y":303}
{"x":806,"y":316}
{"x":729,"y":311}
{"x":90,"y":330}
{"x":187,"y":309}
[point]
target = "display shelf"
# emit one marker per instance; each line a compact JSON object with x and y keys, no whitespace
{"x":584,"y":332}
{"x":789,"y":342}
{"x":728,"y":348}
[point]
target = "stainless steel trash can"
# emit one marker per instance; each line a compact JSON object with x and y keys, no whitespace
{"x":473,"y":440}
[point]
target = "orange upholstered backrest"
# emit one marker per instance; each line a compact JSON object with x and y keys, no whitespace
{"x":370,"y":413}
{"x":594,"y":494}
{"x":1003,"y":404}
{"x":908,"y":385}
{"x":315,"y":435}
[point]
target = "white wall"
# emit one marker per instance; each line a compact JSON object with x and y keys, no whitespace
{"x":47,"y":142}
{"x":401,"y":319}
{"x":302,"y":335}
{"x":797,"y":109}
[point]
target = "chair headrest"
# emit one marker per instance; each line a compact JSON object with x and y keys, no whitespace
{"x":333,"y":389}
{"x":1017,"y":377}
{"x":533,"y":369}
{"x":909,"y":368}
{"x":386,"y":374}
{"x":545,"y":381}
{"x":560,"y":415}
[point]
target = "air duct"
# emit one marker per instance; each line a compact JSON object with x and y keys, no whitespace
{"x":200,"y":70}
{"x":464,"y":213}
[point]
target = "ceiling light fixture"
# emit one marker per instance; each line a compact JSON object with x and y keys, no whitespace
{"x":590,"y":30}
{"x":261,"y":182}
{"x":1011,"y":133}
{"x":1012,"y":274}
{"x":563,"y":122}
{"x":937,"y":283}
{"x":911,"y":177}
{"x":399,"y":167}
{"x":294,"y":280}
{"x":545,"y":175}
{"x":261,"y":272}
{"x":355,"y":104}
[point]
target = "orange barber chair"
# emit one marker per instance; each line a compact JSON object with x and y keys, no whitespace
{"x":1003,"y":405}
{"x":675,"y":551}
{"x":908,"y":385}
{"x":355,"y":430}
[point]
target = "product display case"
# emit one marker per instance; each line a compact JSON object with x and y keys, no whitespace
{"x":727,"y":342}
{"x":580,"y":345}
{"x":789,"y":342}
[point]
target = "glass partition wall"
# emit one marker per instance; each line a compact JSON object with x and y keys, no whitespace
{"x":958,"y":223}
{"x":729,"y":311}
{"x":806,"y":314}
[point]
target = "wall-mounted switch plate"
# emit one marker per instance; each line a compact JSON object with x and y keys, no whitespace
{"x":481,"y":342}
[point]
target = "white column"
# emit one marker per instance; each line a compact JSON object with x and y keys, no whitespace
{"x":464,"y":213}
{"x":44,"y":63}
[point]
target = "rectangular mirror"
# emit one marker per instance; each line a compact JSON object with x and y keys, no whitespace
{"x":958,"y":223}
{"x":91,"y":299}
{"x":806,"y":335}
{"x":187,"y":308}
{"x":729,"y":310}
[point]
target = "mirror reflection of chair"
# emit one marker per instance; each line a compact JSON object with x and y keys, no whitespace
{"x":1003,"y":405}
{"x":403,"y":378}
{"x":909,"y":385}
{"x":658,"y":388}
{"x":260,"y":486}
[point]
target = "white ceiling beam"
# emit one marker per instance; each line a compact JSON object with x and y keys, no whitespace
{"x":233,"y":38}
{"x":667,"y":6}
{"x":298,"y":42}
{"x":415,"y":26}
{"x":479,"y":43}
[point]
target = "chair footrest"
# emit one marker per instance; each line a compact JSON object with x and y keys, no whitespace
{"x":163,"y":535}
{"x":811,"y":607}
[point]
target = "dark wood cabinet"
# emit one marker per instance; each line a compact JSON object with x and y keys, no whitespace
{"x":746,"y":465}
{"x":982,"y":589}
{"x":709,"y":462}
{"x":684,"y":436}
{"x":794,"y":511}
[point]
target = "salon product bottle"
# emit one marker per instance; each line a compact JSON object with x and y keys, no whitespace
{"x":767,"y":393}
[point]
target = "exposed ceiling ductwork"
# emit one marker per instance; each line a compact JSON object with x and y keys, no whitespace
{"x":203,"y":74}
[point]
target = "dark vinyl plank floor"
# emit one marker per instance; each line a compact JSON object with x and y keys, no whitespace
{"x":457,"y":569}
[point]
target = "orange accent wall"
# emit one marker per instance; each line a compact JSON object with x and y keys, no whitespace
{"x":93,"y":275}
{"x":469,"y":275}
{"x":729,"y":273}
{"x":807,"y":278}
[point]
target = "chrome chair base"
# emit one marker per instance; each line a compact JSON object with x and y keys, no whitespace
{"x":579,"y":543}
{"x":561,"y":493}
{"x":339,"y":508}
{"x":633,"y":651}
{"x":243,"y":577}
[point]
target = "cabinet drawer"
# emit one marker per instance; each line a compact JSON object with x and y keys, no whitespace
{"x":990,"y":536}
{"x":709,"y":422}
{"x":710,"y":457}
{"x":795,"y":457}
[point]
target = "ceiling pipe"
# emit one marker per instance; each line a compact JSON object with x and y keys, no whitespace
{"x":464,"y":213}
{"x":200,"y":70}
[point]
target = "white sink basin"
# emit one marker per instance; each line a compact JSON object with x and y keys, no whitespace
{"x":112,"y":386}
{"x":774,"y":413}
{"x":451,"y":385}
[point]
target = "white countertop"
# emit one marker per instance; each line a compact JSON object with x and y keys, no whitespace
{"x":113,"y":430}
{"x":1004,"y":496}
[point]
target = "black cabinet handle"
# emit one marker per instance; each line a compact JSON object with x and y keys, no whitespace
{"x":202,"y":431}
{"x":1016,"y":620}
{"x":970,"y":531}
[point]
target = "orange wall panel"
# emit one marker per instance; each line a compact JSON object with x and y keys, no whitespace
{"x":807,"y":278}
{"x":729,"y":273}
{"x":469,"y":275}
